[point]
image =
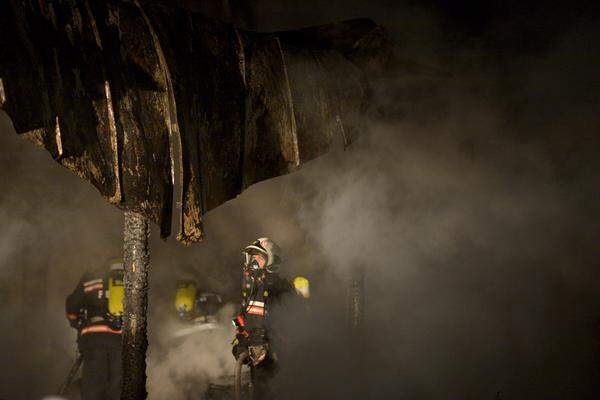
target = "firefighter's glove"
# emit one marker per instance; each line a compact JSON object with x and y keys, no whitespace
{"x":75,"y":320}
{"x":241,"y":338}
{"x":240,"y":345}
{"x":258,"y":353}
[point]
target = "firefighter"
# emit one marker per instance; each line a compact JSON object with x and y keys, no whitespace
{"x":95,"y":309}
{"x":194,"y":305}
{"x":262,"y":288}
{"x":197,"y":311}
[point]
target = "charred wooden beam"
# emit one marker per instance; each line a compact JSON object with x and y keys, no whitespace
{"x":135,"y":342}
{"x":109,"y":88}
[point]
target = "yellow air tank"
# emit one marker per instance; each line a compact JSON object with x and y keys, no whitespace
{"x":116,"y":294}
{"x":302,"y":286}
{"x":185,"y":296}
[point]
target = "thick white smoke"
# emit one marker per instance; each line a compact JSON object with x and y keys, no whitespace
{"x":181,"y":368}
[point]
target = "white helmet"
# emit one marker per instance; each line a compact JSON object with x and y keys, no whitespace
{"x":267,"y":247}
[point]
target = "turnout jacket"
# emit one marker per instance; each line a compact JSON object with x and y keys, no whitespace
{"x":87,"y":311}
{"x":260,"y":292}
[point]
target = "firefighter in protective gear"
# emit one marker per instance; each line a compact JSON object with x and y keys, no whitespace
{"x":194,"y":305}
{"x":95,"y":309}
{"x":262,"y":287}
{"x":196,"y":310}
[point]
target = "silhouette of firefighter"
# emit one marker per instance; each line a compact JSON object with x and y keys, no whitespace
{"x":197,"y":309}
{"x":95,"y":309}
{"x":262,"y":288}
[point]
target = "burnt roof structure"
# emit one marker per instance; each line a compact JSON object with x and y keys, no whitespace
{"x":141,"y":99}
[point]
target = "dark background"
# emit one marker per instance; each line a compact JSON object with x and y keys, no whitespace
{"x":471,"y":200}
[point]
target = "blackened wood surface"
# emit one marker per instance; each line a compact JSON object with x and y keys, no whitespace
{"x":270,"y":147}
{"x":144,"y":113}
{"x":135,"y":342}
{"x":114,"y":90}
{"x":206,"y":64}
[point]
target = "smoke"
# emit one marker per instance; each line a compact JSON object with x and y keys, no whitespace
{"x":473,"y":210}
{"x":53,"y":229}
{"x":470,"y":201}
{"x":477,"y":261}
{"x":182,"y":367}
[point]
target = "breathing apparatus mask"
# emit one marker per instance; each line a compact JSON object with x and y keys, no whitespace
{"x":267,"y":249}
{"x":252,"y":266}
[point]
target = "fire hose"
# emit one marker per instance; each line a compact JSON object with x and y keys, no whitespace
{"x":237,"y":383}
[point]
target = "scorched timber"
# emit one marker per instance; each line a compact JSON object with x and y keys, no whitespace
{"x":113,"y":90}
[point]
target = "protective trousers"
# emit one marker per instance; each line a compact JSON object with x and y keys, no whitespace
{"x":263,"y":378}
{"x":101,"y":377}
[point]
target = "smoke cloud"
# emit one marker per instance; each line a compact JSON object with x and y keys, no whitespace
{"x":181,"y":367}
